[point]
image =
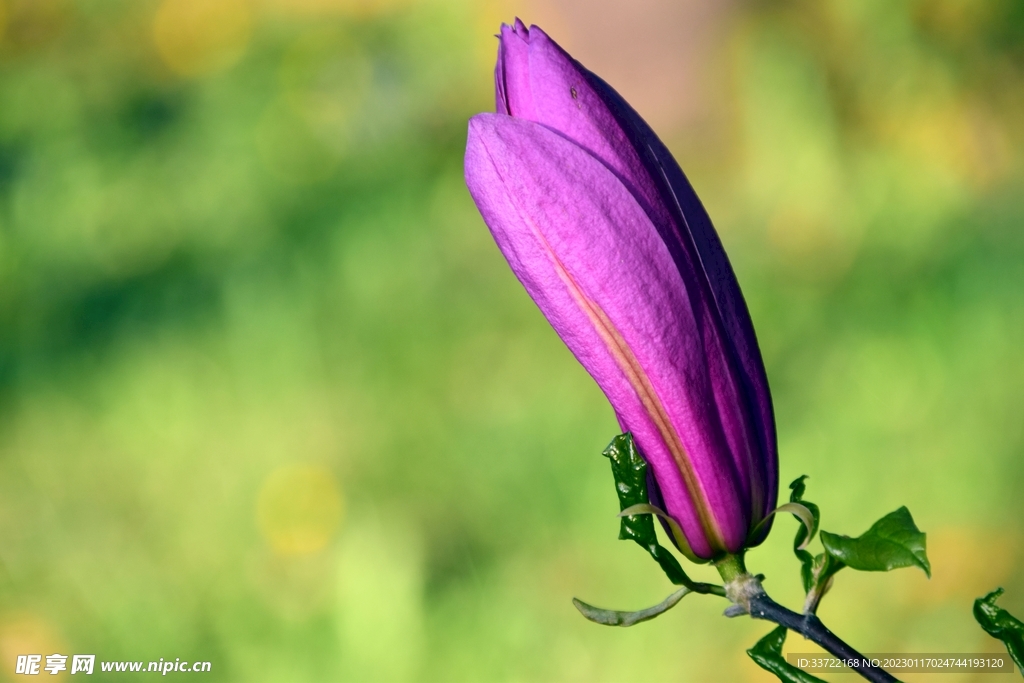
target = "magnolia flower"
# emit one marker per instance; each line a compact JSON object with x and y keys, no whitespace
{"x":602,"y":228}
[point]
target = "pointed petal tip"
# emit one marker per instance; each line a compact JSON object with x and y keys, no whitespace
{"x":482,"y":121}
{"x":515,"y":31}
{"x":482,"y":132}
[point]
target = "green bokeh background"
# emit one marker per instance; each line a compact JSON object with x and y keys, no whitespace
{"x":270,"y":397}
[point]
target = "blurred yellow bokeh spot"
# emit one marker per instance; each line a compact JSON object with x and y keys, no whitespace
{"x":299,"y":509}
{"x":3,"y":19}
{"x":24,"y":633}
{"x":196,"y":37}
{"x":967,"y":562}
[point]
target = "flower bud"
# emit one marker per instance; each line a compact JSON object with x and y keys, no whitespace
{"x":606,"y":234}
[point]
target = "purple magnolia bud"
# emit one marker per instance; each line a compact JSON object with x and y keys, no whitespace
{"x":600,"y":225}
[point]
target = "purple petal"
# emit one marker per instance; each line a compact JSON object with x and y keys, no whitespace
{"x":690,"y":215}
{"x":590,"y":256}
{"x":511,"y":75}
{"x":567,"y":98}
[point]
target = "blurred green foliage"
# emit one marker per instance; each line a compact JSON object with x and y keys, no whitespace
{"x":269,"y":396}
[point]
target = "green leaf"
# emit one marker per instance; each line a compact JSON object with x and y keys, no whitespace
{"x":630,"y":472}
{"x":768,"y":655}
{"x":610,"y":617}
{"x":816,"y":571}
{"x":1002,"y":625}
{"x":798,"y":488}
{"x":804,"y":534}
{"x":891,"y":542}
{"x":804,"y":515}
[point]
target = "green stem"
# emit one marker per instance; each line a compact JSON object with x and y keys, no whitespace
{"x":731,"y":567}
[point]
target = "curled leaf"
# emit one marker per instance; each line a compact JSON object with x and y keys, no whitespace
{"x":677,"y":532}
{"x":805,"y":534}
{"x":630,"y":472}
{"x":801,"y":512}
{"x":610,"y":617}
{"x":1001,"y":625}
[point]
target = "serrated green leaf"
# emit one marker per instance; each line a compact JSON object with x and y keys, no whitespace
{"x":1001,"y":625}
{"x":610,"y":617}
{"x":768,"y":655}
{"x":630,"y":472}
{"x":892,"y":542}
